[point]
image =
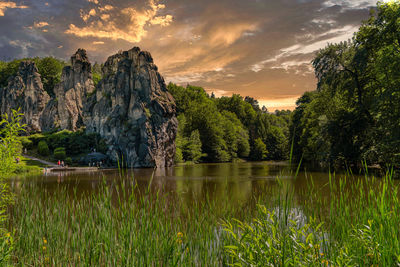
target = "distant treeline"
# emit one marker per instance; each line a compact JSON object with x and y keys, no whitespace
{"x":354,"y":115}
{"x":224,"y":129}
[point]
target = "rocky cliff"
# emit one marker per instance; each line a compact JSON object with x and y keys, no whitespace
{"x":25,"y":92}
{"x":133,"y":111}
{"x":130,"y":108}
{"x":66,"y":110}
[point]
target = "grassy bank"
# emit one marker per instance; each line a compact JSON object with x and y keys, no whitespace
{"x":354,"y":224}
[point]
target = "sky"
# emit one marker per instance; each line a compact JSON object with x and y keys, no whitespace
{"x":257,"y":48}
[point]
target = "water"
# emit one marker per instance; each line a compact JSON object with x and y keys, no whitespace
{"x":240,"y":183}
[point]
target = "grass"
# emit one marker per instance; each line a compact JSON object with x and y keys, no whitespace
{"x":347,"y":222}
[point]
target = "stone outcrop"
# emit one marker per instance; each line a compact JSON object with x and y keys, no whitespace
{"x":66,"y":110}
{"x":133,"y":111}
{"x":25,"y":92}
{"x":130,"y":108}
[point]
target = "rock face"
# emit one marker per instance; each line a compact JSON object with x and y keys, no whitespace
{"x":66,"y":110}
{"x":133,"y":111}
{"x":25,"y":92}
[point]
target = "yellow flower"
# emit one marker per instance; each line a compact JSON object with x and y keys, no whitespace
{"x":179,"y":235}
{"x":44,"y":240}
{"x":8,"y":235}
{"x":44,"y":247}
{"x":322,"y":254}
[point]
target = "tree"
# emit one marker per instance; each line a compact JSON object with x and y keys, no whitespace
{"x":50,"y":70}
{"x":259,"y":151}
{"x":10,"y":144}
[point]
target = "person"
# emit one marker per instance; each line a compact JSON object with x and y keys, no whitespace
{"x":62,"y":164}
{"x":58,"y":163}
{"x":17,"y":160}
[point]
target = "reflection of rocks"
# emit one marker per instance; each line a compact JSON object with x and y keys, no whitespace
{"x":25,"y":91}
{"x":133,"y":111}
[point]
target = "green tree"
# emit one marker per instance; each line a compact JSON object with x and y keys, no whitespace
{"x":10,"y":143}
{"x":259,"y":151}
{"x":50,"y":70}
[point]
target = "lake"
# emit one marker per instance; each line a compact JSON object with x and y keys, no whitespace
{"x":240,"y":183}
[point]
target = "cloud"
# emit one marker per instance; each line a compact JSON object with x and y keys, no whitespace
{"x":256,"y":48}
{"x":40,"y":24}
{"x":134,"y":30}
{"x":5,"y":5}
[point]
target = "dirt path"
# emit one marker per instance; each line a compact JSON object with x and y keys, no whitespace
{"x":50,"y":164}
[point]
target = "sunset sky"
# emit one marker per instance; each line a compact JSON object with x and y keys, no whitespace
{"x":259,"y":48}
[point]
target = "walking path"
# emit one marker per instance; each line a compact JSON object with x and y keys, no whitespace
{"x":42,"y":161}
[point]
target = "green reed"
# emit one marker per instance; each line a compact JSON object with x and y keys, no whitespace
{"x":355,"y":224}
{"x":347,"y":222}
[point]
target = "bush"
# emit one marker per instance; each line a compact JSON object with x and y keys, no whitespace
{"x":68,"y":161}
{"x":43,"y":149}
{"x":59,"y":153}
{"x":26,"y":142}
{"x":36,"y":138}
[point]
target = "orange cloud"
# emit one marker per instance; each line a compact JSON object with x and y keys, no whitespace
{"x":133,"y":32}
{"x":6,"y":5}
{"x":40,"y":24}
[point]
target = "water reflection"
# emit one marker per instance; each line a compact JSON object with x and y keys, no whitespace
{"x":239,"y":183}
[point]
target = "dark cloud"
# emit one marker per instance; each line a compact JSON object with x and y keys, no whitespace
{"x":260,"y":48}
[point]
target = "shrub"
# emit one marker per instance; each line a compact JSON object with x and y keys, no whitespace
{"x":26,"y":142}
{"x":36,"y":138}
{"x":43,"y":149}
{"x":59,"y":153}
{"x":68,"y":161}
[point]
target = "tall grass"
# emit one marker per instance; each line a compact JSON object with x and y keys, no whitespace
{"x":347,"y":222}
{"x":116,"y":227}
{"x":355,"y":224}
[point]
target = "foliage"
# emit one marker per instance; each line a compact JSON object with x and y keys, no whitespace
{"x":75,"y":143}
{"x":259,"y":151}
{"x":68,"y":161}
{"x":227,"y":126}
{"x":283,"y":235}
{"x":6,"y":239}
{"x":59,"y":153}
{"x":354,"y":115}
{"x":26,"y":142}
{"x":10,"y":144}
{"x":138,"y":233}
{"x":49,"y":68}
{"x":97,"y":73}
{"x":43,"y":149}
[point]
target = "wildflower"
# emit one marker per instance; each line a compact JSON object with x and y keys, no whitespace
{"x":44,"y":248}
{"x":322,"y":254}
{"x":44,"y":240}
{"x":179,"y":235}
{"x":8,"y":235}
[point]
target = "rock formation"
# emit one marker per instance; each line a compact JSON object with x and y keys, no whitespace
{"x":25,"y":92}
{"x":130,"y":108}
{"x":133,"y":111}
{"x":65,"y":111}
